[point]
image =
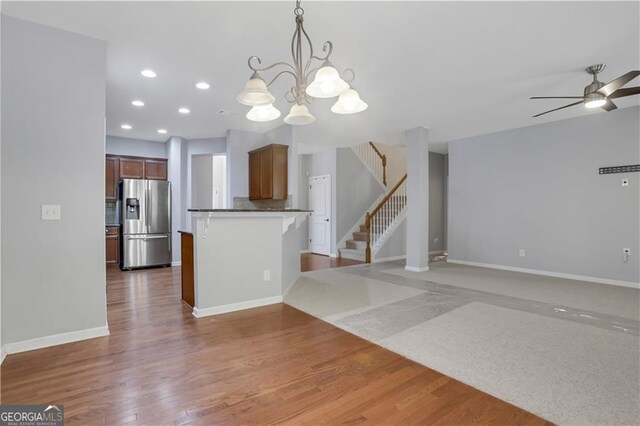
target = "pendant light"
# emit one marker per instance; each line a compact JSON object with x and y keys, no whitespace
{"x":299,"y":115}
{"x":349,"y":103}
{"x":263,"y":113}
{"x":327,"y":83}
{"x":255,"y":92}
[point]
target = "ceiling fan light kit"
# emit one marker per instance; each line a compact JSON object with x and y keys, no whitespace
{"x":326,"y":84}
{"x":598,"y":94}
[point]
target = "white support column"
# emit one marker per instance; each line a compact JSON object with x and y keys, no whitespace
{"x":417,"y":199}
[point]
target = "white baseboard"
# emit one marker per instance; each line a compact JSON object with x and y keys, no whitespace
{"x":388,"y":259}
{"x":3,"y":355}
{"x":176,"y":263}
{"x":416,"y":268}
{"x":232,"y":307}
{"x":547,"y":273}
{"x":431,"y":253}
{"x":305,"y":251}
{"x":290,"y":286}
{"x":334,"y":255}
{"x":54,"y":340}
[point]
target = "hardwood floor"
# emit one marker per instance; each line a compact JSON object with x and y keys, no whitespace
{"x":267,"y":365}
{"x":313,"y":262}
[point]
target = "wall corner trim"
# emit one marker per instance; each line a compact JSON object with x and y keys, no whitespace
{"x":176,"y":263}
{"x":548,"y":273}
{"x":416,"y":268}
{"x":54,"y":340}
{"x":232,"y":307}
{"x":3,"y":355}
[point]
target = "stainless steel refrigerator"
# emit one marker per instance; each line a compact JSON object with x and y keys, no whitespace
{"x":146,"y":223}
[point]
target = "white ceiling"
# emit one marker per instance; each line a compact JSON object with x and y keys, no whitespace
{"x":459,"y":68}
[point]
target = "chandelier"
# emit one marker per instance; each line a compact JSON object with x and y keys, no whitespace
{"x":326,"y":84}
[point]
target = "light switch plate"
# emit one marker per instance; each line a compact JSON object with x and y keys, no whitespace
{"x":522,"y":253}
{"x":50,"y":212}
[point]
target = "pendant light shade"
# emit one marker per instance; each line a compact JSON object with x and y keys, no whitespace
{"x":349,"y":103}
{"x":299,"y":115}
{"x":263,"y":113}
{"x":255,"y":93}
{"x":327,"y":83}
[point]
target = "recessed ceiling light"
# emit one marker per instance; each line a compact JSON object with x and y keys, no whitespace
{"x":126,"y":126}
{"x":137,"y":103}
{"x":148,"y":73}
{"x":203,"y":85}
{"x":184,"y":110}
{"x":163,"y":131}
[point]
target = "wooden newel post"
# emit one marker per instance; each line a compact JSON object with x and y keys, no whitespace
{"x":384,"y":170}
{"x":368,"y":249}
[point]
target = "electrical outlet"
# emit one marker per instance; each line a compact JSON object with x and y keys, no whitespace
{"x":51,"y":212}
{"x":625,"y":181}
{"x":522,"y":253}
{"x":626,"y":251}
{"x":266,"y":275}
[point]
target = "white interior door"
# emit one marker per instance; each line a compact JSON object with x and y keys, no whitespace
{"x":320,"y":223}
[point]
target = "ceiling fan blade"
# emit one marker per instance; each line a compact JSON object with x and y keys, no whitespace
{"x":563,"y":107}
{"x":614,"y":85}
{"x":609,"y":106}
{"x":556,"y":97}
{"x":625,"y":92}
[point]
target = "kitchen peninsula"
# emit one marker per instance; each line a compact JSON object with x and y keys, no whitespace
{"x":244,"y":258}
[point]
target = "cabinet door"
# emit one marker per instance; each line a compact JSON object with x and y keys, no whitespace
{"x":280,"y":173}
{"x":155,"y":169}
{"x":131,"y":168}
{"x":112,"y":249}
{"x":254,"y":176}
{"x":111,"y":178}
{"x":266,"y":174}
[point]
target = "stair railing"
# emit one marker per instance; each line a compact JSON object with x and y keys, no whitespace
{"x":374,"y":159}
{"x":383,"y":215}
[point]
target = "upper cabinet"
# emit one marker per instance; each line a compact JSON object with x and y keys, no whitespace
{"x":155,"y":169}
{"x":111,"y":174}
{"x":126,"y":167}
{"x":131,"y":168}
{"x":268,"y":173}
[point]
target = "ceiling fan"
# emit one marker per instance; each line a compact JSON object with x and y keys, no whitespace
{"x":598,"y":94}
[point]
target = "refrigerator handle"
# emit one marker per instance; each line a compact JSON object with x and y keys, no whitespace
{"x":149,"y":204}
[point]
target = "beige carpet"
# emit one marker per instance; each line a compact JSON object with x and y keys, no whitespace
{"x":565,"y":350}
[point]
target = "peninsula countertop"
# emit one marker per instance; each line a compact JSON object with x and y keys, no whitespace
{"x":249,"y":210}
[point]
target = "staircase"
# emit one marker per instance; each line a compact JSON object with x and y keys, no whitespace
{"x":374,"y":160}
{"x":379,"y":225}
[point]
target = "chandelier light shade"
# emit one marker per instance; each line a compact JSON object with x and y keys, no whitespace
{"x":299,"y":115}
{"x":255,"y":93}
{"x":349,"y":103}
{"x":326,"y":84}
{"x":263,"y":113}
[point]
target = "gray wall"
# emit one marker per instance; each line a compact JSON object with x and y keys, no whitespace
{"x":437,"y":202}
{"x":52,"y":153}
{"x":357,"y":190}
{"x":538,"y":188}
{"x":135,"y":147}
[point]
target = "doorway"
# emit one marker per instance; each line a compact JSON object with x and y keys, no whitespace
{"x":320,"y":220}
{"x":209,"y":181}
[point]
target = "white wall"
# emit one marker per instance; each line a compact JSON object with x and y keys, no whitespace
{"x":537,"y":188}
{"x":396,"y":161}
{"x":239,"y":143}
{"x":135,"y":147}
{"x":53,"y":272}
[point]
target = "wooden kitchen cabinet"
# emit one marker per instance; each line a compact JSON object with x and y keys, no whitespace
{"x":268,"y":173}
{"x":131,"y":168}
{"x":112,"y":174}
{"x":155,"y":169}
{"x":112,"y":244}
